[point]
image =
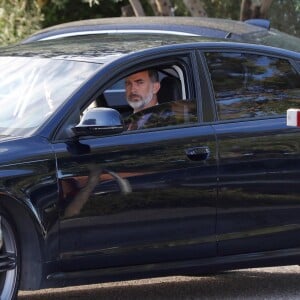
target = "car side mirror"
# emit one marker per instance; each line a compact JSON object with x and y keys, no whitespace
{"x":99,"y":121}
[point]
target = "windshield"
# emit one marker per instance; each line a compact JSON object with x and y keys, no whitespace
{"x":31,"y":89}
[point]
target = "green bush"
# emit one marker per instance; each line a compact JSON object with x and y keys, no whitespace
{"x":18,"y":19}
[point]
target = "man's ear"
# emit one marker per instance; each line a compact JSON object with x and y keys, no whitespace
{"x":156,"y":87}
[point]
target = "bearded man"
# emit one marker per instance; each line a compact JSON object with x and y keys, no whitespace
{"x":141,"y":89}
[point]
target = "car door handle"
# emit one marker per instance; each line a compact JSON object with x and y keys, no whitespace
{"x":198,"y":153}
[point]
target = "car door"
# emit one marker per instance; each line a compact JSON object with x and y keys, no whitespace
{"x":259,"y":196}
{"x":138,"y":197}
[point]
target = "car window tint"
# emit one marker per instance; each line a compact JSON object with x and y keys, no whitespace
{"x":249,"y":85}
{"x":167,"y":114}
{"x":115,"y":95}
{"x":173,"y":107}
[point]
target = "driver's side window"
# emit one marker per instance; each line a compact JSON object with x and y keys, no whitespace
{"x":150,"y":98}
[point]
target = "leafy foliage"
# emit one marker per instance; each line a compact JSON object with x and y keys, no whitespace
{"x":18,"y":18}
{"x":285,"y":16}
{"x":222,"y":9}
{"x":60,"y":11}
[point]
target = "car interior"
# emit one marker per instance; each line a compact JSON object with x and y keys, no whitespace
{"x":172,"y":97}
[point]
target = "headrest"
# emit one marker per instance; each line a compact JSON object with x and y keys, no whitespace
{"x":170,"y":90}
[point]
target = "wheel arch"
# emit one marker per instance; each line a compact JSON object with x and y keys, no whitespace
{"x":30,"y":241}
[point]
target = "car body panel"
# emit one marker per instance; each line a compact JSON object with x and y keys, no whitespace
{"x":201,"y":196}
{"x":119,"y":224}
{"x":170,"y":25}
{"x":28,"y":176}
{"x":251,"y":31}
{"x":258,"y":203}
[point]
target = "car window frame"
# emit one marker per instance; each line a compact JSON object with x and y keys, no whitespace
{"x":182,"y":60}
{"x":293,"y":63}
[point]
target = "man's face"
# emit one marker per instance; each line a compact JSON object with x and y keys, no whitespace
{"x":140,"y":90}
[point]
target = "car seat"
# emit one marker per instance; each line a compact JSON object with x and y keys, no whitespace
{"x":170,"y":90}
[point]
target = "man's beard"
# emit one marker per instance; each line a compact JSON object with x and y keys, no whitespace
{"x":139,"y":104}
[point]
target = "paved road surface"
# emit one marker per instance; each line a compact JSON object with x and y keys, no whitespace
{"x":268,"y":283}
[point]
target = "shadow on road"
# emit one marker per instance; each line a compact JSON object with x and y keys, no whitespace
{"x":269,"y":283}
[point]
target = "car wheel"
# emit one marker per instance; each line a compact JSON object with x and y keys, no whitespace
{"x":9,"y":260}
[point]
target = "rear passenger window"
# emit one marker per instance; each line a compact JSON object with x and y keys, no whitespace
{"x":250,"y":85}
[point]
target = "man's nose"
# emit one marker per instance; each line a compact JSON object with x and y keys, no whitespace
{"x":134,"y":88}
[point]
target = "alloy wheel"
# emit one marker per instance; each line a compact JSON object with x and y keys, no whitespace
{"x":9,"y":269}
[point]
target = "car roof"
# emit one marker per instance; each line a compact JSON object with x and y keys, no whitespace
{"x":256,"y":31}
{"x":108,"y":47}
{"x":96,"y":48}
{"x":213,"y":27}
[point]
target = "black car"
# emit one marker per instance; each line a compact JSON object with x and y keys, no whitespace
{"x":213,"y":187}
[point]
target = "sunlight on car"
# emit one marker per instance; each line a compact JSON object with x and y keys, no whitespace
{"x":31,"y":89}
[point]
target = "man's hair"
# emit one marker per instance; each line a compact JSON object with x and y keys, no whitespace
{"x":153,"y":74}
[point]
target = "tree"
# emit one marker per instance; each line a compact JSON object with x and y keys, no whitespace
{"x":195,"y":8}
{"x":18,"y":19}
{"x":161,"y":7}
{"x":255,"y":9}
{"x":221,"y":8}
{"x":137,"y":7}
{"x":285,"y":15}
{"x":60,"y":11}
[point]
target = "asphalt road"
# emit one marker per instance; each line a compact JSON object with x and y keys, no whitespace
{"x":266,"y":283}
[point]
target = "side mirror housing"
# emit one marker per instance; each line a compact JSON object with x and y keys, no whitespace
{"x":99,"y":121}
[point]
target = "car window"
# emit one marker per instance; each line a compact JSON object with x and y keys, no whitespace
{"x":115,"y":95}
{"x":174,"y":107}
{"x":251,"y":85}
{"x":166,"y":114}
{"x":30,"y":96}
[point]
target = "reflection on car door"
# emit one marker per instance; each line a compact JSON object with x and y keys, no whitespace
{"x":144,"y":197}
{"x":259,"y":192}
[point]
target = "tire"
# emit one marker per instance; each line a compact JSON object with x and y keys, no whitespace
{"x":9,"y":260}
